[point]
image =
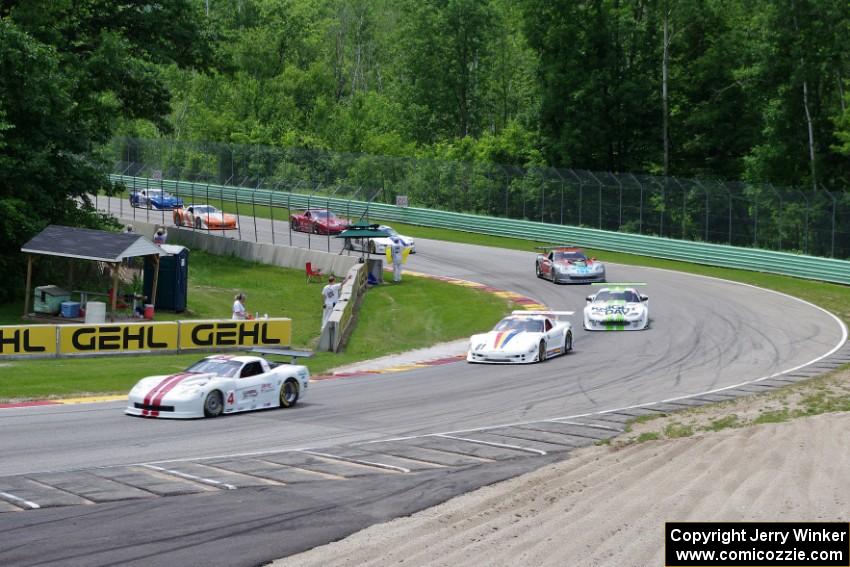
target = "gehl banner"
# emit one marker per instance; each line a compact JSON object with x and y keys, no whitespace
{"x":129,"y":338}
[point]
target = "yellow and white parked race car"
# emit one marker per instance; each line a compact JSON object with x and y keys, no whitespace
{"x":523,"y":337}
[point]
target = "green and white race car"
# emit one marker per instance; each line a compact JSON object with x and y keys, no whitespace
{"x":616,"y":308}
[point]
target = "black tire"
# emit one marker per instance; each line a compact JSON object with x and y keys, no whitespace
{"x":541,"y":352}
{"x":568,"y":342}
{"x":289,"y":392}
{"x":198,"y":223}
{"x":213,"y":404}
{"x":537,"y":271}
{"x":176,"y":219}
{"x":371,"y":247}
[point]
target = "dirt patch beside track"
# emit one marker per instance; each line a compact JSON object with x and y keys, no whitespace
{"x":606,"y":505}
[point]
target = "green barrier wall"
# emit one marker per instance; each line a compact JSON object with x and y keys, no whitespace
{"x":810,"y":267}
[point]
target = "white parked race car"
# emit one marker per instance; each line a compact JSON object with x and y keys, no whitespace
{"x":616,"y":308}
{"x":219,"y":384}
{"x":523,"y":337}
{"x":379,"y":245}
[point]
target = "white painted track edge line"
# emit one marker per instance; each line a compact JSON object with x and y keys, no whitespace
{"x":357,"y":461}
{"x":591,"y":425}
{"x":192,"y":477}
{"x":23,"y":501}
{"x":493,"y":444}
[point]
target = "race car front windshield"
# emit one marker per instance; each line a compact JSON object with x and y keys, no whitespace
{"x":322,"y":214}
{"x":226,"y":368}
{"x":569,"y":255}
{"x":155,"y":194}
{"x":626,"y":295}
{"x":204,"y":209}
{"x":529,"y":325}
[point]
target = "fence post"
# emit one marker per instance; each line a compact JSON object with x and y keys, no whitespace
{"x":599,"y":198}
{"x":834,"y":204}
{"x":236,"y":200}
{"x":684,"y":202}
{"x":779,"y":224}
{"x":620,"y":205}
{"x":148,"y":193}
{"x":806,"y":217}
{"x":704,"y":190}
{"x":729,"y":197}
{"x":271,"y":212}
{"x":640,"y":208}
{"x":542,"y":198}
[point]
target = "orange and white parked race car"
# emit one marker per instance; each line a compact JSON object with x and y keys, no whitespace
{"x":204,"y":217}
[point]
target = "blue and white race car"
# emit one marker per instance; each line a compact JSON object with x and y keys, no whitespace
{"x":523,"y":337}
{"x":616,"y":308}
{"x":155,"y":199}
{"x":568,"y":264}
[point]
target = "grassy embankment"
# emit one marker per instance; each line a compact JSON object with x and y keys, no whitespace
{"x":393,"y":318}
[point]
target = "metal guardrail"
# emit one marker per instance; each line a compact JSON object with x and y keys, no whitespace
{"x":784,"y":263}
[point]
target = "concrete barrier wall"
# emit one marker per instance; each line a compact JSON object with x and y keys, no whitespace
{"x":275,"y":255}
{"x":339,"y":325}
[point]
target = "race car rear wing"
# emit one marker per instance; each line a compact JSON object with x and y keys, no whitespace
{"x":559,"y":315}
{"x":552,"y":247}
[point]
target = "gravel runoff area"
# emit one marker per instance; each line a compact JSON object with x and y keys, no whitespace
{"x":606,"y":505}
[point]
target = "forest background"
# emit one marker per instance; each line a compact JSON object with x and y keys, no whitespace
{"x":748,"y":90}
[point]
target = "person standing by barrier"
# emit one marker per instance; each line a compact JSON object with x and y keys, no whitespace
{"x":330,"y":295}
{"x":160,"y":236}
{"x":397,"y":252}
{"x":239,"y":311}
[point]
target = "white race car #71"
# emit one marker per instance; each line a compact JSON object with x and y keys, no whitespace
{"x":523,"y":337}
{"x":219,"y":384}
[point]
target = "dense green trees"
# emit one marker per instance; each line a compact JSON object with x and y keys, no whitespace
{"x":69,"y":71}
{"x":757,"y":90}
{"x":752,"y":89}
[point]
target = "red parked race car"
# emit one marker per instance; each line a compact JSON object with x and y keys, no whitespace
{"x":567,"y":264}
{"x":318,"y":221}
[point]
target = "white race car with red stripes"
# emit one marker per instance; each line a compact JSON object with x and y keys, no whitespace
{"x":523,"y":337}
{"x":219,"y":384}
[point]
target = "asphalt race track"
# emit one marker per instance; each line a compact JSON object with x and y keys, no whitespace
{"x":249,"y":488}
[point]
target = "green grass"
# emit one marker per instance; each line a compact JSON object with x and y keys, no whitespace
{"x":393,"y":318}
{"x":675,"y":430}
{"x":649,"y":436}
{"x":774,"y":416}
{"x":648,"y":417}
{"x":726,"y":422}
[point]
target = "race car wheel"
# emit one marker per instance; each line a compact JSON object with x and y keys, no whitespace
{"x":214,"y":404}
{"x":568,"y":342}
{"x":289,"y":393}
{"x":371,"y":247}
{"x":541,"y":352}
{"x":176,"y":219}
{"x":537,"y":271}
{"x":198,"y":223}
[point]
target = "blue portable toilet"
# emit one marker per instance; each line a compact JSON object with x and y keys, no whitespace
{"x":172,"y":289}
